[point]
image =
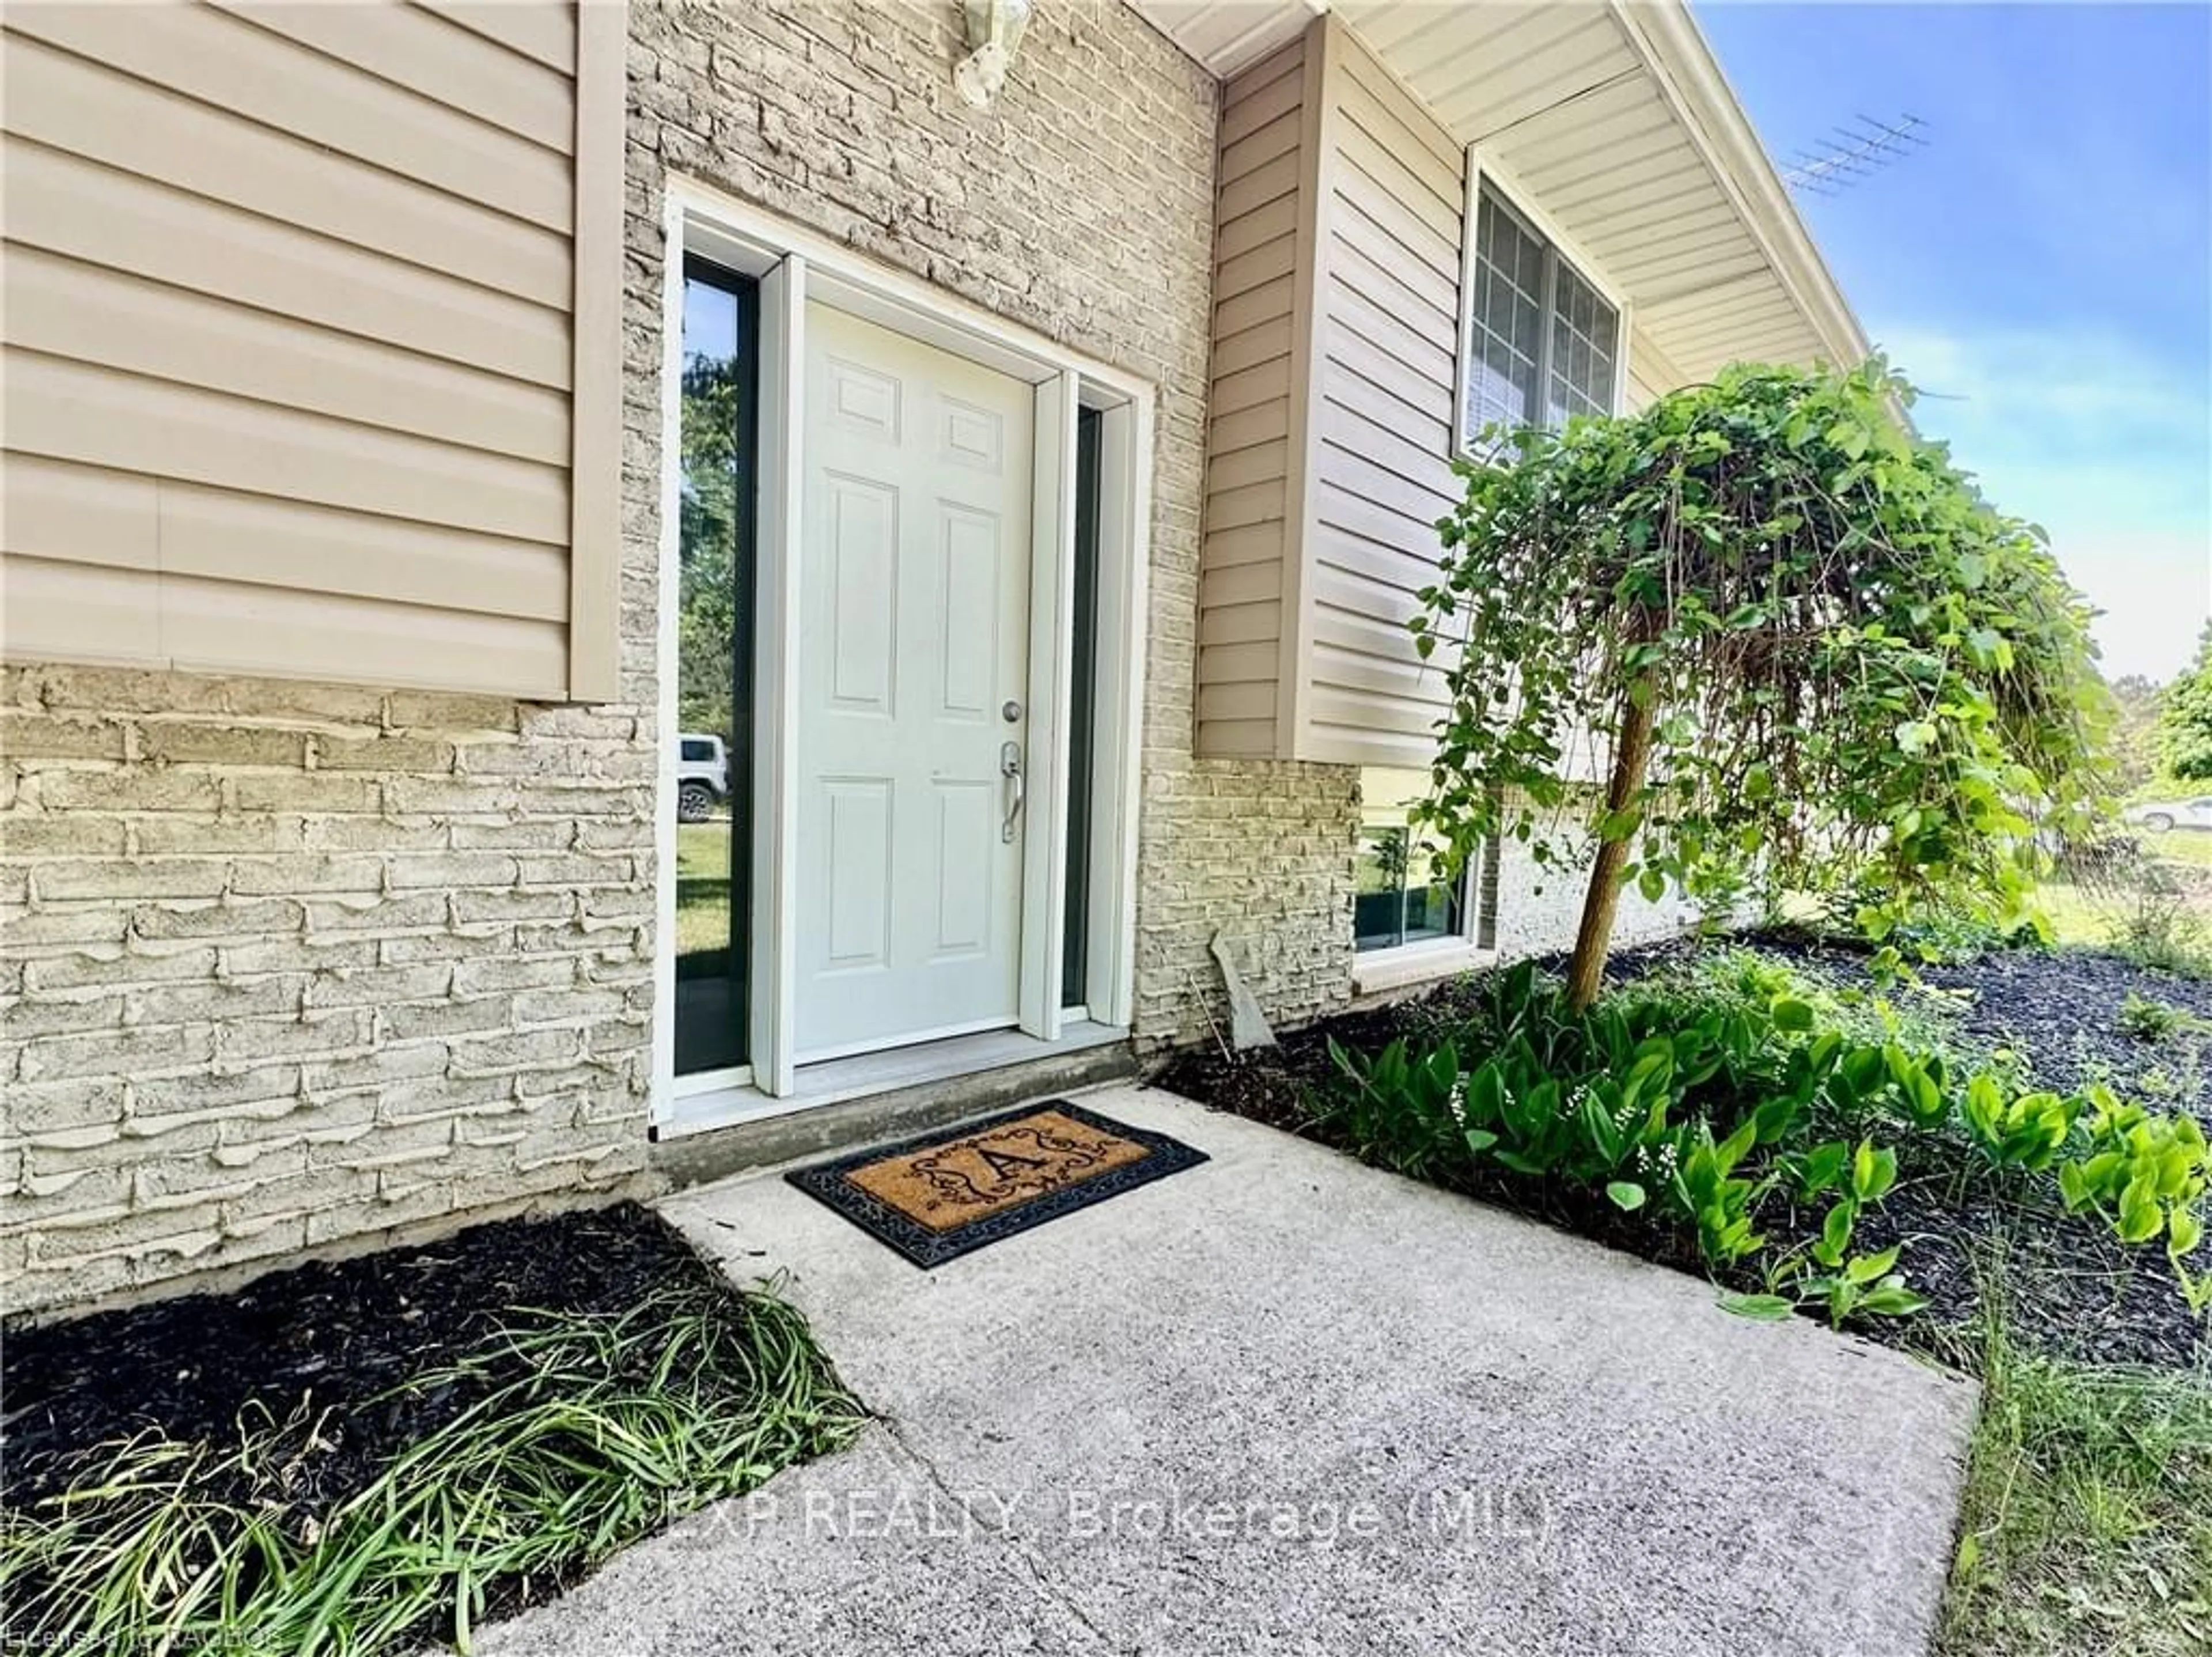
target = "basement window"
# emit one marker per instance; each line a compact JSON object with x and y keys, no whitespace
{"x":1402,"y":897}
{"x":1540,"y":341}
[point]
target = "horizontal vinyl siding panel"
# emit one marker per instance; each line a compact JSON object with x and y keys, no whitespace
{"x":1241,"y":623}
{"x":1240,"y":508}
{"x":289,"y":340}
{"x":261,"y":539}
{"x":1238,"y":739}
{"x":1415,"y":170}
{"x":1344,"y":659}
{"x":78,"y":612}
{"x":1259,"y":543}
{"x":1263,"y":224}
{"x":188,"y":241}
{"x":1374,"y":86}
{"x":97,"y":416}
{"x":1259,"y":463}
{"x":1426,"y":425}
{"x":67,"y":308}
{"x":1260,"y":208}
{"x":1332,"y":744}
{"x":1271,"y":261}
{"x":1239,"y":704}
{"x":210,"y":626}
{"x":1374,"y":578}
{"x":424,"y":52}
{"x":546,"y":34}
{"x":1275,"y":88}
{"x":1262,"y":422}
{"x":1256,"y":188}
{"x":69,"y":105}
{"x":230,"y":64}
{"x":1426,"y":355}
{"x":79,"y":514}
{"x":1349,"y":354}
{"x":1241,"y":583}
{"x":1265,"y":344}
{"x":1424,"y":270}
{"x":1278,"y":137}
{"x":1254,"y":306}
{"x":1363,"y":518}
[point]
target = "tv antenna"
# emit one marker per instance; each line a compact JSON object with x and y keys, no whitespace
{"x":1832,"y":165}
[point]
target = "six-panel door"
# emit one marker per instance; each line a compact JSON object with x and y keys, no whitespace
{"x":914,"y":594}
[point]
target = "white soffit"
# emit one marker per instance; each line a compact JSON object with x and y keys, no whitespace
{"x":1612,"y":119}
{"x":1227,"y":35}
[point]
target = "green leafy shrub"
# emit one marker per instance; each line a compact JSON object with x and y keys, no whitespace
{"x":2145,"y":1172}
{"x":1715,"y":1098}
{"x":1696,"y":1111}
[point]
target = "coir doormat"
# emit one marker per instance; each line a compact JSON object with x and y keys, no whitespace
{"x":942,"y":1195}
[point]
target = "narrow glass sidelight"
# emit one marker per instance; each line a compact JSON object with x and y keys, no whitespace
{"x":714,"y":735}
{"x":1083,"y":712}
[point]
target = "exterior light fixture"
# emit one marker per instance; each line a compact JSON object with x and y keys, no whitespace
{"x":994,"y":34}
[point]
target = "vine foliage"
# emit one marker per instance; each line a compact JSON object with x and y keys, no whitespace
{"x":1802,"y":651}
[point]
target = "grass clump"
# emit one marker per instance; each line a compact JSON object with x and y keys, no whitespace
{"x":2087,"y":1529}
{"x":584,"y":1433}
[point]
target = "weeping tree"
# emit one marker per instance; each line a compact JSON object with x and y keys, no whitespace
{"x":1758,"y":639}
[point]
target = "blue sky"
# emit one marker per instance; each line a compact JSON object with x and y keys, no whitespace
{"x":2043,"y":270}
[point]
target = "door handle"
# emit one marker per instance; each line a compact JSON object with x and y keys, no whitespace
{"x":1010,"y":767}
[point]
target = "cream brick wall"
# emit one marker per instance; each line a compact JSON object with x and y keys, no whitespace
{"x":282,"y":965}
{"x":287,"y":965}
{"x":1079,"y":205}
{"x":1540,"y":908}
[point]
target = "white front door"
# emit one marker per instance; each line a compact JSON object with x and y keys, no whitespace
{"x":914,"y":596}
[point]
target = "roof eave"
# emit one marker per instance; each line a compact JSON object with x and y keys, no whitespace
{"x":1682,"y":65}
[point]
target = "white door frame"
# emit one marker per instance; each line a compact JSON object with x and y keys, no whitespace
{"x":795,"y":265}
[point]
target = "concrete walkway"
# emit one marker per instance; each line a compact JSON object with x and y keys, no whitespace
{"x":1283,"y":1403}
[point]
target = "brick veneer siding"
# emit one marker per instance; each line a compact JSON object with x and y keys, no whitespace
{"x":1080,"y":205}
{"x":282,"y":965}
{"x":1538,"y":908}
{"x":288,"y":965}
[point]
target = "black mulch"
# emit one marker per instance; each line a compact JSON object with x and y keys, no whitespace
{"x":2073,"y":1289}
{"x":332,"y":1337}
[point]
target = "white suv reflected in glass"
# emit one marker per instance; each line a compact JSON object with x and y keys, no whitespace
{"x":702,"y":776}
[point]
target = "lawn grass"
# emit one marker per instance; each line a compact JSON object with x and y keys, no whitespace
{"x":702,"y":887}
{"x":2181,"y":846}
{"x":2087,"y":1528}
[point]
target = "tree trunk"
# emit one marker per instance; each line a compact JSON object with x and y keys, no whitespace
{"x":1632,"y":755}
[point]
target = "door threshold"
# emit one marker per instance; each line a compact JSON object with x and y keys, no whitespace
{"x":832,"y":1081}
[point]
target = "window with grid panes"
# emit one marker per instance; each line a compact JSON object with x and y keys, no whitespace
{"x":1543,"y":344}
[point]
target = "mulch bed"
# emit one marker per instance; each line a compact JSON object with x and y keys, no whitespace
{"x":2073,"y":1289}
{"x":334,"y":1338}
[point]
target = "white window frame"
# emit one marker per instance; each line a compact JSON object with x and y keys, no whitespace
{"x":1483,"y":170}
{"x":794,"y":266}
{"x":1374,"y":970}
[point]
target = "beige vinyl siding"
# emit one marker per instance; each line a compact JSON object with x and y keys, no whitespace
{"x":1311,"y":657}
{"x":291,"y":350}
{"x":1331,"y":417}
{"x":1387,"y":367}
{"x":1264,"y":212}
